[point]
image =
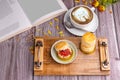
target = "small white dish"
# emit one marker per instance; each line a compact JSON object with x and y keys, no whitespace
{"x":79,"y":32}
{"x":57,"y":59}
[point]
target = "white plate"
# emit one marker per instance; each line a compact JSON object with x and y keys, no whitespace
{"x":90,"y":28}
{"x":57,"y":59}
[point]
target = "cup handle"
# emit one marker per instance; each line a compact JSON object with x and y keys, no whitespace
{"x":93,"y":9}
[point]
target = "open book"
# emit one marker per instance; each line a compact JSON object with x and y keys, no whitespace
{"x":17,"y":16}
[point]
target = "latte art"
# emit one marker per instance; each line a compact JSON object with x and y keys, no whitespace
{"x":82,"y":15}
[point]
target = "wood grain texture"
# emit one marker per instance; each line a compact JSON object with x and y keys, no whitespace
{"x":15,"y":58}
{"x":38,"y":54}
{"x":116,"y":14}
{"x":116,"y":61}
{"x":104,"y":54}
{"x":78,"y":67}
{"x":16,"y":61}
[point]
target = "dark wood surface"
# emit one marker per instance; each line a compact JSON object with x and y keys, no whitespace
{"x":16,"y":60}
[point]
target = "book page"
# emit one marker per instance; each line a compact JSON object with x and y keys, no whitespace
{"x":12,"y":19}
{"x":17,"y":16}
{"x":36,"y":9}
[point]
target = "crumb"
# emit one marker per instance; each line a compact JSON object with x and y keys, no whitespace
{"x":30,"y":38}
{"x":49,"y":32}
{"x":51,"y":24}
{"x":56,"y":19}
{"x":31,"y":49}
{"x":61,"y":33}
{"x":57,"y":27}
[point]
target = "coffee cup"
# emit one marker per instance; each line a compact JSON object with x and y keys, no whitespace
{"x":81,"y":16}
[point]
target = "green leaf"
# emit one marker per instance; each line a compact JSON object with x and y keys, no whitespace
{"x":114,"y":1}
{"x":109,"y":1}
{"x":104,"y":0}
{"x":106,"y":3}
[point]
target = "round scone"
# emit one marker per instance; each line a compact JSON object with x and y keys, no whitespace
{"x":63,"y":50}
{"x":88,"y":42}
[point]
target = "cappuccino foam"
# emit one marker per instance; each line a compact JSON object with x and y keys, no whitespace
{"x":81,"y":14}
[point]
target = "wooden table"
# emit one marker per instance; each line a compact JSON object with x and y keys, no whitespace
{"x":16,"y":60}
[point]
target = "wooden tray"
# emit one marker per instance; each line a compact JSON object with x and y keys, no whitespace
{"x":83,"y":65}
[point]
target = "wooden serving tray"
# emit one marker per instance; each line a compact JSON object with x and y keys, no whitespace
{"x":83,"y":65}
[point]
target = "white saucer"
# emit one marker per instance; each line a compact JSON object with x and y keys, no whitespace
{"x":90,"y":28}
{"x":57,"y":59}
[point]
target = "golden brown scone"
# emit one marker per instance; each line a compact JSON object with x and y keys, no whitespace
{"x":61,"y":45}
{"x":63,"y":50}
{"x":88,"y":42}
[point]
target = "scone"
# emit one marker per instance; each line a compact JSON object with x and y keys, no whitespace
{"x":63,"y":50}
{"x":88,"y":42}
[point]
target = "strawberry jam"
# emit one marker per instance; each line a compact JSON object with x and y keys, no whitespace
{"x":65,"y":52}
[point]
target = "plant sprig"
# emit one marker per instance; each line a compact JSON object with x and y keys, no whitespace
{"x":107,"y":2}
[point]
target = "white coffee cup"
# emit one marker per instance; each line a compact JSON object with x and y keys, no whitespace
{"x":80,"y":20}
